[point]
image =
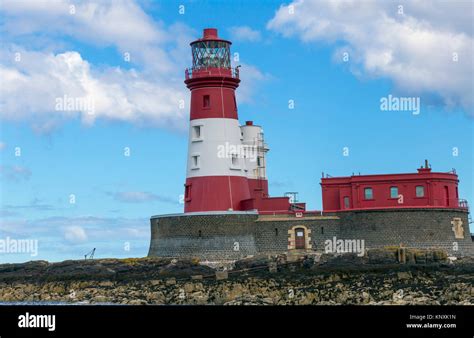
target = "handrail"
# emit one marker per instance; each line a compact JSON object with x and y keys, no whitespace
{"x":194,"y":72}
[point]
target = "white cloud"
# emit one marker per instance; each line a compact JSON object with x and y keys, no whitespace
{"x":31,"y":91}
{"x":3,"y":145}
{"x":414,"y":49}
{"x":75,"y":234}
{"x":149,"y":93}
{"x":141,"y":196}
{"x":245,"y":33}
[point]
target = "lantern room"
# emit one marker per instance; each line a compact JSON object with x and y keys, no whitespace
{"x":210,"y":51}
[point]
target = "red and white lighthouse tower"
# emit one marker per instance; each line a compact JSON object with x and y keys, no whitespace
{"x":216,"y":178}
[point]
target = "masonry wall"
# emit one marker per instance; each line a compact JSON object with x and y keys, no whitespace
{"x":235,"y":236}
{"x":419,"y":228}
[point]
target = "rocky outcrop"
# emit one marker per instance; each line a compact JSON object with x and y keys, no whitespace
{"x":265,"y":280}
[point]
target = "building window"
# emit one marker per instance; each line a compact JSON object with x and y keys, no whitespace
{"x":393,"y":192}
{"x":347,"y":204}
{"x":195,"y":159}
{"x":276,"y":231}
{"x":322,"y":230}
{"x":206,"y":101}
{"x":200,"y":233}
{"x":420,"y":191}
{"x":368,"y":194}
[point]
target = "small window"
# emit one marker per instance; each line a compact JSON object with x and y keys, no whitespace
{"x":235,"y":103}
{"x":197,"y":132}
{"x":206,"y":101}
{"x":393,"y":192}
{"x":259,"y":161}
{"x":347,"y":201}
{"x":187,"y":192}
{"x":195,"y":162}
{"x":368,"y":193}
{"x":200,"y":233}
{"x":322,"y":230}
{"x":234,"y":161}
{"x":420,"y":191}
{"x":276,"y":231}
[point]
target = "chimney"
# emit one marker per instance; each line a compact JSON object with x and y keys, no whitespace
{"x":425,"y":169}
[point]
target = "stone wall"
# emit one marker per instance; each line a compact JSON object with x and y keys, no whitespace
{"x":231,"y":236}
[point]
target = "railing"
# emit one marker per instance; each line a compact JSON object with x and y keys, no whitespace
{"x":463,"y":204}
{"x":192,"y":73}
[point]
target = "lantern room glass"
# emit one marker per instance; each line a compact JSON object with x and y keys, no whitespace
{"x":211,"y":54}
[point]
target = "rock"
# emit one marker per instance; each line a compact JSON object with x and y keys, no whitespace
{"x":171,"y":281}
{"x":252,"y":262}
{"x":188,"y":287}
{"x":382,"y":256}
{"x":404,"y":275}
{"x":221,"y":275}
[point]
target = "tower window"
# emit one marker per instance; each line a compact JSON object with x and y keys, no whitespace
{"x":206,"y":101}
{"x":187,"y":192}
{"x":276,"y":231}
{"x":393,"y":192}
{"x":368,"y":193}
{"x":420,"y":191}
{"x":195,"y":159}
{"x":234,"y":162}
{"x":197,"y":133}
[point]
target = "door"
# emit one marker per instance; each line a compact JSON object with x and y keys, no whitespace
{"x":300,"y":242}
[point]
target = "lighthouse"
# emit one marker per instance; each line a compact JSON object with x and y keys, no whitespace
{"x":226,"y":165}
{"x":216,"y":180}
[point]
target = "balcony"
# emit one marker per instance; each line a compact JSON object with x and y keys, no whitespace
{"x":463,"y":204}
{"x":193,"y":73}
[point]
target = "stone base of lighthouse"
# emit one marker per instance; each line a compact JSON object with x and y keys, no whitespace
{"x":235,"y":235}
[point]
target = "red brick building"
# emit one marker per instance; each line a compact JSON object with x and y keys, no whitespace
{"x":422,"y":189}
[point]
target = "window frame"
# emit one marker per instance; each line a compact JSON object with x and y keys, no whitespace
{"x":423,"y":190}
{"x":195,"y":165}
{"x":206,"y":101}
{"x":371,"y":192}
{"x":390,"y":190}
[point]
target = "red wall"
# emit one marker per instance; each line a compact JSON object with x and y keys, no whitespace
{"x":335,"y":189}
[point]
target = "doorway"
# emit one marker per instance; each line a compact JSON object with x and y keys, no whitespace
{"x":300,"y":238}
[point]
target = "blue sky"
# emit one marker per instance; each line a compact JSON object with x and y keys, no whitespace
{"x":287,"y":53}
